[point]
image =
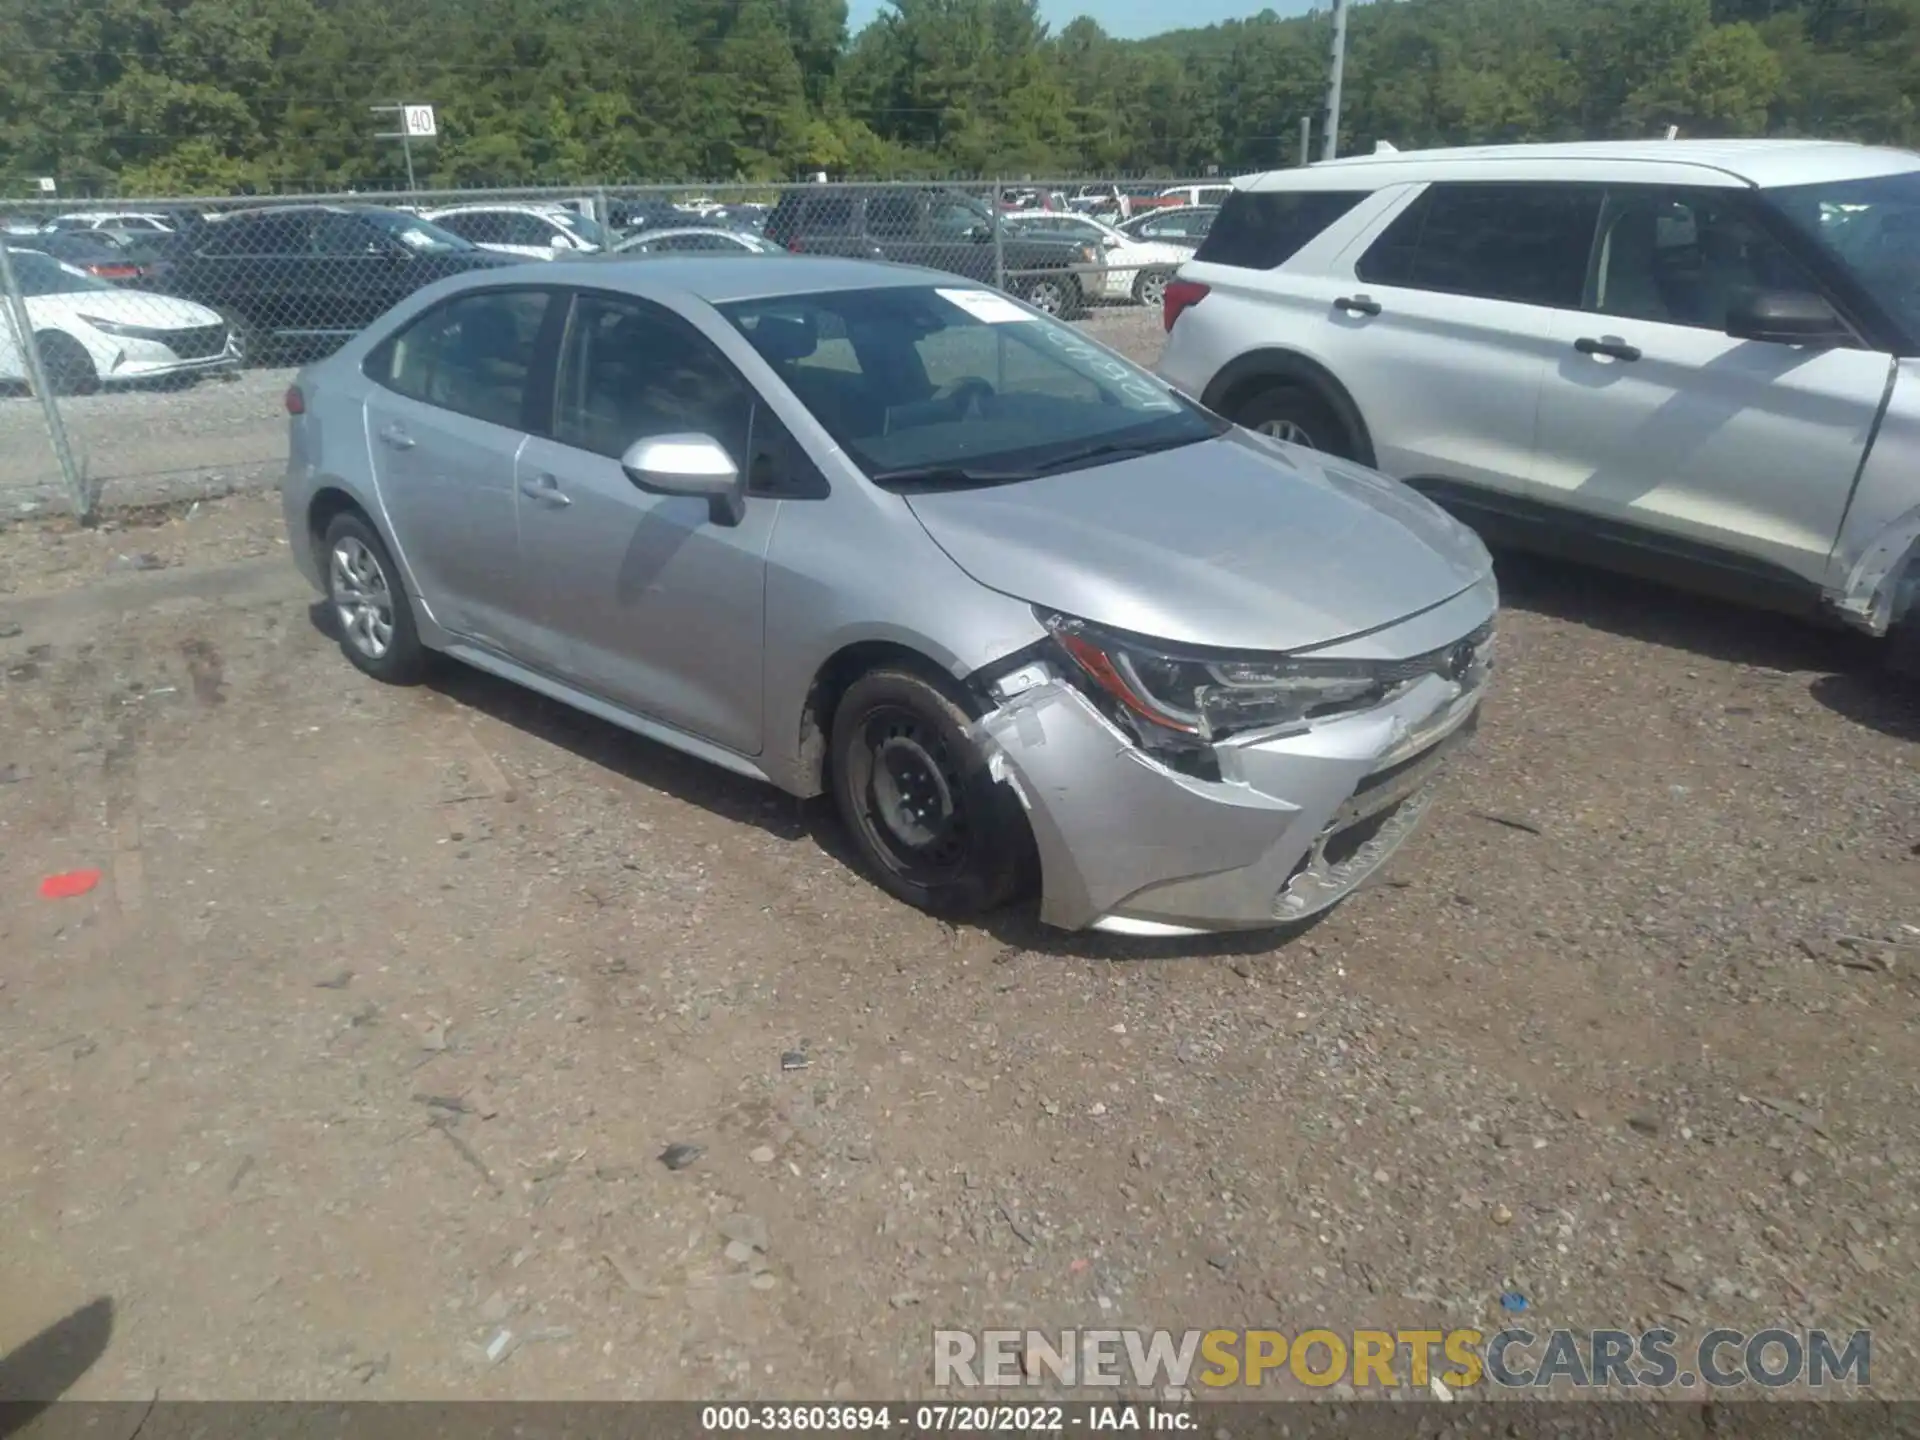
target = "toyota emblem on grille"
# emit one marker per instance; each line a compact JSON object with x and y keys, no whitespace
{"x":1458,"y":662}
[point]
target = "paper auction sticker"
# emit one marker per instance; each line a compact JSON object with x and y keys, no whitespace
{"x":985,"y":305}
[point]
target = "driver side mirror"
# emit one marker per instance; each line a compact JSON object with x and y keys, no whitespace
{"x":980,"y":234}
{"x":559,"y":242}
{"x":689,"y":465}
{"x":1786,"y":317}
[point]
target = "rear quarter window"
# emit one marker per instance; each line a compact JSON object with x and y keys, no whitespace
{"x":1259,"y":230}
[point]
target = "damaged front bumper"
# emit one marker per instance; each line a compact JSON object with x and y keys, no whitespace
{"x":1297,"y":820}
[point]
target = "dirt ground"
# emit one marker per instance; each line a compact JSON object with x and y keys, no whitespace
{"x":361,"y":1055}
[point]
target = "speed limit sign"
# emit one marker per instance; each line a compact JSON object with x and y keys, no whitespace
{"x":418,"y":120}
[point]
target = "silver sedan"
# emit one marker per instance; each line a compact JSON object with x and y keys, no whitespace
{"x":1033,"y":617}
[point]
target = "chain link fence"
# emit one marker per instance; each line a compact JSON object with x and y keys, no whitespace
{"x":146,"y":344}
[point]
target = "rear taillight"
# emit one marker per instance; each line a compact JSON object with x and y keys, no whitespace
{"x":1181,"y":296}
{"x":794,"y":245}
{"x":114,"y":272}
{"x":296,"y":402}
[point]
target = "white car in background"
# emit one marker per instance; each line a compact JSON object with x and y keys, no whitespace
{"x":702,"y":239}
{"x":1137,"y":269}
{"x":90,"y":333}
{"x":137,"y":222}
{"x":1198,"y":194}
{"x":532,"y":231}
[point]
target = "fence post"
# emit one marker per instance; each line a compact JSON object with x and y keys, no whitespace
{"x":999,"y":242}
{"x":600,"y":209}
{"x":37,"y":380}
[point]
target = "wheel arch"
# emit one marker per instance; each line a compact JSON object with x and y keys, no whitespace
{"x":838,"y":671}
{"x":1241,"y":377}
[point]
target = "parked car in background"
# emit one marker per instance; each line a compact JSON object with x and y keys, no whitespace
{"x":945,"y":229}
{"x":91,"y":333}
{"x":1694,"y":360}
{"x":309,"y":276}
{"x":1137,"y":269}
{"x":531,"y":231}
{"x":100,"y":253}
{"x":750,"y":218}
{"x":1185,"y":225}
{"x":884,"y":531}
{"x":627,"y":216}
{"x":706,"y":238}
{"x":1196,"y":195}
{"x":132,"y":221}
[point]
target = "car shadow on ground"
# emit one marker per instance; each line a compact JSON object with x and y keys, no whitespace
{"x":1850,"y":680}
{"x":39,"y":1372}
{"x":751,"y":802}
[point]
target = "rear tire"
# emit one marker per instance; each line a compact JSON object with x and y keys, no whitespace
{"x":1055,"y":295}
{"x":368,"y":604}
{"x":1150,"y":288}
{"x":913,"y":789}
{"x":1902,"y":658}
{"x":1296,"y":415}
{"x":70,"y":370}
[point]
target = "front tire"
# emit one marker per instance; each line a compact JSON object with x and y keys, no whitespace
{"x":369,"y":606}
{"x":70,"y":370}
{"x":914,"y":791}
{"x":246,"y":338}
{"x":1295,"y":415}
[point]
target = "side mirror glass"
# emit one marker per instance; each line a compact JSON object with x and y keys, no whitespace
{"x":695,"y":465}
{"x":559,"y":242}
{"x":1785,"y":317}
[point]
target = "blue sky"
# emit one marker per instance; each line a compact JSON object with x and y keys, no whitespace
{"x":1128,"y":19}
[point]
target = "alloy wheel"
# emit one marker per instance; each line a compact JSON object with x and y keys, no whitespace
{"x":362,"y":597}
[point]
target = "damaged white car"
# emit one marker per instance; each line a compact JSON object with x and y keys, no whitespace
{"x":1032,"y":617}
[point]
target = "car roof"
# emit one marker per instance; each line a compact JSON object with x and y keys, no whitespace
{"x":719,"y":279}
{"x":1762,"y":163}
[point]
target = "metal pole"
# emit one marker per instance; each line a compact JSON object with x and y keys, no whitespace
{"x":999,"y":242}
{"x":1337,"y":71}
{"x":406,"y":149}
{"x":1306,"y":139}
{"x":37,"y":380}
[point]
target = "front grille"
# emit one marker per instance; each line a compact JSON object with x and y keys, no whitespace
{"x":1437,"y":662}
{"x":202,"y":342}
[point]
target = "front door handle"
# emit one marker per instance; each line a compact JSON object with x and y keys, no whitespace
{"x":1612,"y":349}
{"x":396,"y":437}
{"x":546,"y":490}
{"x":1357,"y":305}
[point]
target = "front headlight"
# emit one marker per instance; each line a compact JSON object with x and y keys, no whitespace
{"x":117,"y":327}
{"x":1178,"y":700}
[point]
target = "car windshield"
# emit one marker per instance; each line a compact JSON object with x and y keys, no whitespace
{"x":584,"y":227}
{"x":939,"y":386}
{"x":40,"y":274}
{"x":1873,"y":228}
{"x":415,"y":233}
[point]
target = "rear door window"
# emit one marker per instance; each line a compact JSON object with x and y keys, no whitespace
{"x":1259,"y":230}
{"x":1525,"y":243}
{"x":471,"y":355}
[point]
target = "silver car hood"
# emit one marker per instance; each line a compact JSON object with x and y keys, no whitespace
{"x":1239,"y":542}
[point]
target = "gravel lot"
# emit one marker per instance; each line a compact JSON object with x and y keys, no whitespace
{"x":363,"y":1051}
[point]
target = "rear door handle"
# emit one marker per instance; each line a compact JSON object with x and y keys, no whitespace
{"x":1357,"y":305}
{"x":396,"y":437}
{"x":1612,"y":349}
{"x":546,"y":490}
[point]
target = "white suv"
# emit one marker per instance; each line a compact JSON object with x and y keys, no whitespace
{"x":1690,"y":359}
